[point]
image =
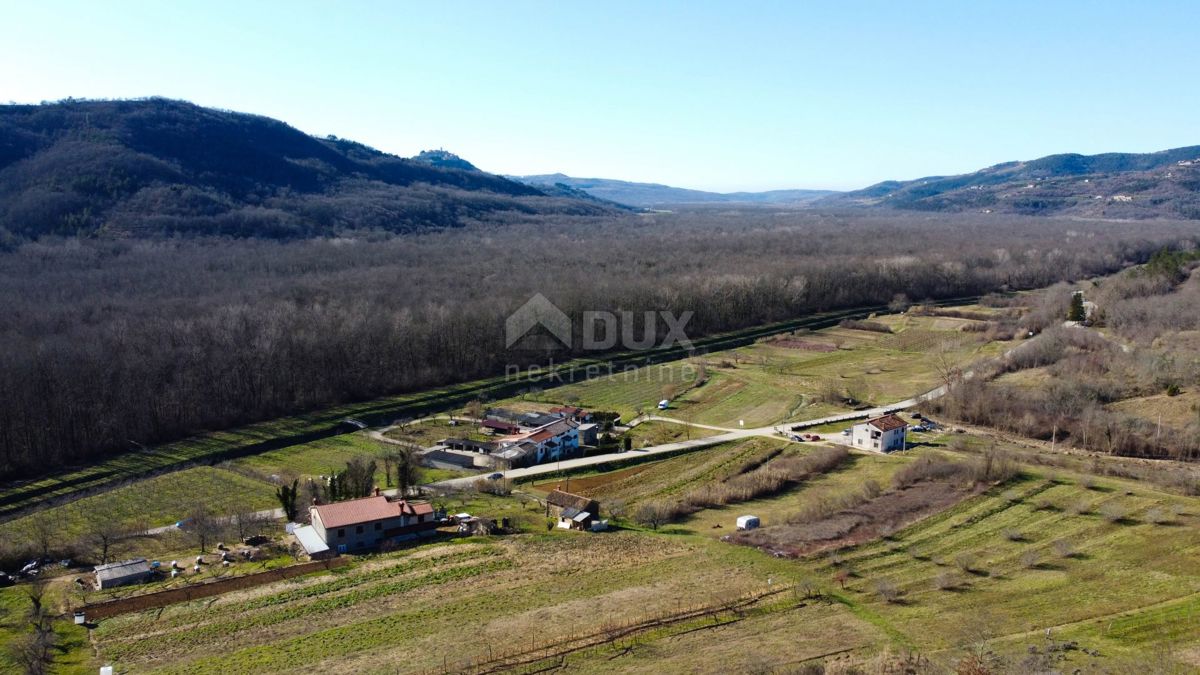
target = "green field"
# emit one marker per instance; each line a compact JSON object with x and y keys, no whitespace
{"x":765,"y":384}
{"x":1124,"y":587}
{"x":158,"y":501}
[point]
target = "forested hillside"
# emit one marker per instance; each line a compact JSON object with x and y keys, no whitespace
{"x":108,"y":344}
{"x":161,"y":167}
{"x":1114,"y":185}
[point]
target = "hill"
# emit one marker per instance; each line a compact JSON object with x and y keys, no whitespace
{"x":444,"y":159}
{"x":153,"y":167}
{"x":1162,"y":184}
{"x":648,"y":195}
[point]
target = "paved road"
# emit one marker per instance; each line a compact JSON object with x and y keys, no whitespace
{"x":724,"y":437}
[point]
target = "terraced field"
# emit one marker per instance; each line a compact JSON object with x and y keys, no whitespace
{"x":407,"y":611}
{"x":1023,"y":580}
{"x":158,"y":501}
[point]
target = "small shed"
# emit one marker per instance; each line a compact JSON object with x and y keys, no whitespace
{"x":747,"y":522}
{"x":122,"y":573}
{"x":311,"y":542}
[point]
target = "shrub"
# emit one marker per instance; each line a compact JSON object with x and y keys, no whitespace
{"x":1064,"y":548}
{"x":1044,"y":504}
{"x":1029,"y":559}
{"x":965,"y":562}
{"x":1080,"y":508}
{"x":944,"y":581}
{"x":1013,"y":535}
{"x":1113,"y":512}
{"x":871,"y":489}
{"x":887,"y":590}
{"x":928,"y":467}
{"x":873,"y":326}
{"x":1162,"y":516}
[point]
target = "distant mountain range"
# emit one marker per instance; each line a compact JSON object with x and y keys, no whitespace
{"x":1162,"y":184}
{"x":653,"y":195}
{"x":160,"y":167}
{"x":163,"y":167}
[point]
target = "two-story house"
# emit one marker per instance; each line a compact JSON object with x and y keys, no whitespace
{"x":882,"y":434}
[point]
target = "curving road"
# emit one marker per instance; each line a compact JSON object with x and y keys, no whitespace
{"x":727,"y":435}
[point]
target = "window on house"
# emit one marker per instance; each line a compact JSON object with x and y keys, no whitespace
{"x":358,"y":530}
{"x":378,"y":526}
{"x":341,"y":532}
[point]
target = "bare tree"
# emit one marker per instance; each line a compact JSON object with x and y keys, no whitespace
{"x":42,"y":531}
{"x":203,"y":525}
{"x":34,"y":650}
{"x":652,"y":514}
{"x":104,"y":527}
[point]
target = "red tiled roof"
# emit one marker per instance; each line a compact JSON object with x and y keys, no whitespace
{"x":367,"y":509}
{"x":887,"y":423}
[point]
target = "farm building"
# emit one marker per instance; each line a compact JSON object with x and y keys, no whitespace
{"x":572,"y":413}
{"x":469,"y":445}
{"x":557,"y":440}
{"x":361,"y":524}
{"x":574,"y":512}
{"x":123,"y":573}
{"x":883,"y":434}
{"x":589,"y":433}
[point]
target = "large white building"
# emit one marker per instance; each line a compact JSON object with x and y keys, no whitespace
{"x":882,"y":434}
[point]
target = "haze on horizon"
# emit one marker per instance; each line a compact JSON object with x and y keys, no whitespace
{"x":699,"y":95}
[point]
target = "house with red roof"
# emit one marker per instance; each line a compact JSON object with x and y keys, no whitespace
{"x":882,"y":434}
{"x":363,"y":524}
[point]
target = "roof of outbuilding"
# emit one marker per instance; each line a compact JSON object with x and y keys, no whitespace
{"x":367,"y":509}
{"x":566,"y":500}
{"x":887,"y":423}
{"x":116,"y":570}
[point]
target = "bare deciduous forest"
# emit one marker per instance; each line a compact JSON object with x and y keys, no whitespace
{"x":112,"y":343}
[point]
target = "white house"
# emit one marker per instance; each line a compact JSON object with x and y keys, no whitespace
{"x":883,"y":434}
{"x":552,"y":442}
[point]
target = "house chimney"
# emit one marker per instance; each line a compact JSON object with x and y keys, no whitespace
{"x":377,"y":491}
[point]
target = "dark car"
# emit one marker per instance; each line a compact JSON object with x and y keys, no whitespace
{"x":496,"y":476}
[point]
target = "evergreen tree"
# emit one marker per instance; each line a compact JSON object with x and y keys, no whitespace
{"x":287,"y":494}
{"x":1076,"y":312}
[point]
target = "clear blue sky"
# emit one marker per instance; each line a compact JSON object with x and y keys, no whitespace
{"x":734,"y":95}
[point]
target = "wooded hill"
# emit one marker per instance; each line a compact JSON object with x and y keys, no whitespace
{"x":155,"y":167}
{"x":1162,"y":184}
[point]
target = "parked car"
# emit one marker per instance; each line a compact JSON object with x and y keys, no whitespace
{"x":496,"y":476}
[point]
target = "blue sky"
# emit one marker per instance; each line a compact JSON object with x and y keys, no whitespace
{"x":725,"y":96}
